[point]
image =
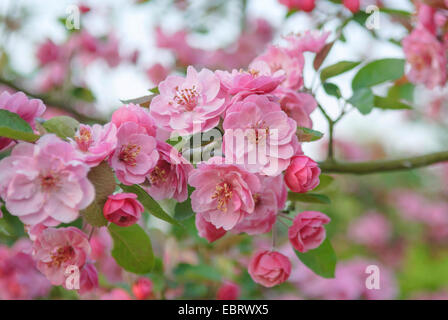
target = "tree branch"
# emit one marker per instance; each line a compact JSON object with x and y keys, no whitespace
{"x":383,"y":165}
{"x":59,"y":104}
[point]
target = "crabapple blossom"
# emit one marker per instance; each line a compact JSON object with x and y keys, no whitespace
{"x":259,"y":135}
{"x":270,"y":199}
{"x":27,"y":109}
{"x":305,"y":5}
{"x":88,"y":279}
{"x":371,"y":229}
{"x":95,"y":143}
{"x":302,"y":175}
{"x":307,"y":231}
{"x":168,"y":179}
{"x":228,"y":291}
{"x":427,"y":58}
{"x":116,"y":294}
{"x":224,"y":192}
{"x":269,"y":268}
{"x":123,"y":209}
{"x":136,"y":154}
{"x":310,"y":41}
{"x":56,"y":249}
{"x":352,"y":5}
{"x":297,"y":105}
{"x":207,"y":230}
{"x":188,"y":104}
{"x":44,"y":182}
{"x":142,"y":288}
{"x":134,"y":113}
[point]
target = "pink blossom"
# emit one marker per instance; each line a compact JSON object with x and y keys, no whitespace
{"x":259,"y":79}
{"x":56,"y":249}
{"x":27,"y":109}
{"x":157,"y":73}
{"x":427,"y":58}
{"x":307,"y":231}
{"x":95,"y":143}
{"x":311,"y":41}
{"x":116,"y":294}
{"x":186,"y":105}
{"x":53,"y":76}
{"x":134,"y":113}
{"x":48,"y":52}
{"x":44,"y":183}
{"x":426,"y":17}
{"x":270,"y":199}
{"x":142,"y":288}
{"x":352,"y":5}
{"x":207,"y":230}
{"x":224,"y":192}
{"x":302,"y":175}
{"x":123,"y":209}
{"x":259,"y":135}
{"x":88,"y":280}
{"x":305,"y":5}
{"x":228,"y":291}
{"x":371,"y":229}
{"x":169,"y":177}
{"x":280,"y":59}
{"x":269,"y":268}
{"x":297,"y":105}
{"x":135,"y":155}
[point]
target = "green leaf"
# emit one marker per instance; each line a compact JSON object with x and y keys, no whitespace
{"x":154,"y":90}
{"x":14,"y":127}
{"x":363,"y":99}
{"x":63,"y":126}
{"x":183,"y":210}
{"x":143,"y":101}
{"x":325,"y":181}
{"x":322,"y":55}
{"x":291,"y":12}
{"x":308,"y":135}
{"x":150,"y":204}
{"x":402,"y":92}
{"x":322,"y":260}
{"x":337,"y":69}
{"x":103,"y":179}
{"x":309,"y":197}
{"x":377,"y":72}
{"x":84,"y":94}
{"x":332,"y":89}
{"x":132,"y":248}
{"x":199,"y":272}
{"x":389,"y":103}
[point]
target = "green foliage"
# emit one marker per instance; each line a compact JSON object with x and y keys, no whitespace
{"x":377,"y":72}
{"x":309,"y":197}
{"x":332,"y":89}
{"x":84,"y":94}
{"x":337,"y":69}
{"x":132,"y":248}
{"x":363,"y":100}
{"x":183,"y":210}
{"x":14,"y":127}
{"x":389,"y":103}
{"x":308,"y":135}
{"x":64,"y":127}
{"x":322,"y":260}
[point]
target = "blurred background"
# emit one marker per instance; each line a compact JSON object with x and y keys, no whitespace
{"x":123,"y":48}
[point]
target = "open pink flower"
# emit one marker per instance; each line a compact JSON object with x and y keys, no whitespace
{"x":427,"y":58}
{"x":259,"y":135}
{"x":270,"y":199}
{"x":27,"y":109}
{"x":297,"y":105}
{"x":135,"y":155}
{"x":224,"y":192}
{"x":190,"y":104}
{"x":95,"y":143}
{"x":279,"y":58}
{"x":123,"y":209}
{"x":134,"y":113}
{"x":307,"y":231}
{"x":56,"y":249}
{"x":169,"y":177}
{"x":88,"y":279}
{"x":269,"y":268}
{"x":259,"y":79}
{"x":302,"y":175}
{"x":44,"y":183}
{"x":207,"y":230}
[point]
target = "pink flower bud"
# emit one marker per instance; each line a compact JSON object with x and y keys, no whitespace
{"x":302,"y":175}
{"x":142,"y":288}
{"x":123,"y":209}
{"x":269,"y":268}
{"x":307,"y":231}
{"x":352,"y":5}
{"x":228,"y":291}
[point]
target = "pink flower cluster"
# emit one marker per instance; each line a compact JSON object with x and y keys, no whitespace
{"x":309,"y":5}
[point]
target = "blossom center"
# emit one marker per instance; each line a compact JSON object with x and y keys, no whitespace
{"x":61,"y":255}
{"x":187,"y":98}
{"x":157,"y":175}
{"x":84,"y":139}
{"x":258,"y":132}
{"x":129,"y":153}
{"x":49,"y":181}
{"x":223,"y":193}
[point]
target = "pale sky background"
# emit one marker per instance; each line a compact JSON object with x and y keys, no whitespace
{"x":133,"y":24}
